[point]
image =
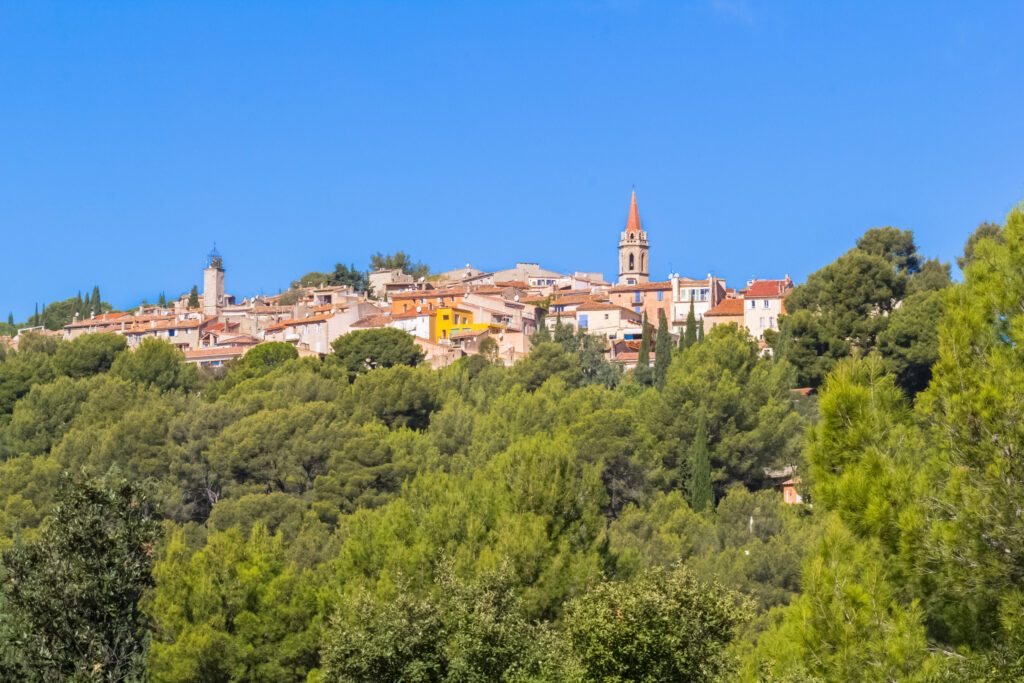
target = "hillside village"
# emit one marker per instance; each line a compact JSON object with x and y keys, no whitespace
{"x":450,"y":314}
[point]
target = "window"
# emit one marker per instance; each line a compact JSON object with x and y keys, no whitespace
{"x":630,"y":281}
{"x":761,"y":322}
{"x":631,"y":262}
{"x":605,"y":316}
{"x":753,"y":304}
{"x":444,"y":317}
{"x":582,"y":319}
{"x":661,"y":295}
{"x":771,"y":322}
{"x":636,"y":297}
{"x":767,"y":304}
{"x":704,"y":294}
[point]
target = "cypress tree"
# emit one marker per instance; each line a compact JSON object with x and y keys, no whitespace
{"x":700,"y":330}
{"x":35,"y":316}
{"x":643,"y":359}
{"x":10,"y":319}
{"x":698,"y":486}
{"x":95,"y":303}
{"x":662,"y":351}
{"x":193,"y":297}
{"x":162,"y":301}
{"x":691,"y":327}
{"x":543,"y":334}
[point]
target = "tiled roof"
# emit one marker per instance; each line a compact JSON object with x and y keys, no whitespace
{"x":469,"y":333}
{"x":762,"y":289}
{"x":603,"y":306}
{"x":378,"y":320}
{"x":429,"y":294}
{"x":239,"y":340}
{"x":225,"y":351}
{"x":647,"y":286}
{"x":295,"y":322}
{"x":727,"y":307}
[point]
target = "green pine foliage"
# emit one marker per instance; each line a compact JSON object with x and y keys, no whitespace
{"x":364,"y":517}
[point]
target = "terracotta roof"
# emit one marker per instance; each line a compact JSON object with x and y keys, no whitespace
{"x":732,"y":307}
{"x":764,"y":289}
{"x":468,"y":334}
{"x":240,"y":340}
{"x":405,"y":315}
{"x":574,"y":298}
{"x":646,"y":287}
{"x":633,"y":224}
{"x":160,"y":325}
{"x":234,"y":351}
{"x":429,"y":294}
{"x":268,"y":310}
{"x":294,"y":322}
{"x":108,"y":319}
{"x":603,"y":306}
{"x":378,"y":320}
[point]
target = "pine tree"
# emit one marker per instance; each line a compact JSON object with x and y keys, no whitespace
{"x":698,"y":485}
{"x":193,"y":297}
{"x":643,"y":359}
{"x":691,"y":327}
{"x":662,"y":351}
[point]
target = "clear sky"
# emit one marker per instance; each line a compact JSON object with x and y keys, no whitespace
{"x":762,"y":138}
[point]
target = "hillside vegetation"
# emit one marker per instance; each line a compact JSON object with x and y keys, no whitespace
{"x":318,"y":520}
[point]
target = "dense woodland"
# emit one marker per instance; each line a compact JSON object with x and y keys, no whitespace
{"x":365,"y":518}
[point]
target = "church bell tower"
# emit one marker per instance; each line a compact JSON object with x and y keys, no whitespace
{"x":633,"y":248}
{"x":213,"y":284}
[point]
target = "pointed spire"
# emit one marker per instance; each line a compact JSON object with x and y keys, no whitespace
{"x":633,"y":225}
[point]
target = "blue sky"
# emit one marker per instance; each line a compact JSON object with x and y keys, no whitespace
{"x":762,"y":138}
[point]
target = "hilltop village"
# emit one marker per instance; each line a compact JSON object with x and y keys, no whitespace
{"x":450,"y":314}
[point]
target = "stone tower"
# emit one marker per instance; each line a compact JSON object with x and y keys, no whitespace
{"x":213,"y":284}
{"x":633,"y":248}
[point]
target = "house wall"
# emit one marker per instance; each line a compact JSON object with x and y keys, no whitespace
{"x":761,"y":314}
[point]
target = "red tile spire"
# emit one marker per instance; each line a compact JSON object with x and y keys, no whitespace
{"x":633,"y":225}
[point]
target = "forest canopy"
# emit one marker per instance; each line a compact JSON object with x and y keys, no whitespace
{"x":362,"y":517}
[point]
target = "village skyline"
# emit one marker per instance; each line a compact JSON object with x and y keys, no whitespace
{"x":760,"y":138}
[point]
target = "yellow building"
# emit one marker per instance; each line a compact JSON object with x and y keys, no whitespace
{"x":449,"y":321}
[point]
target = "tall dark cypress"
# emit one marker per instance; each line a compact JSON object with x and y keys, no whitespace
{"x":699,"y":490}
{"x":94,"y":305}
{"x":691,"y":327}
{"x":662,"y":351}
{"x":643,"y":359}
